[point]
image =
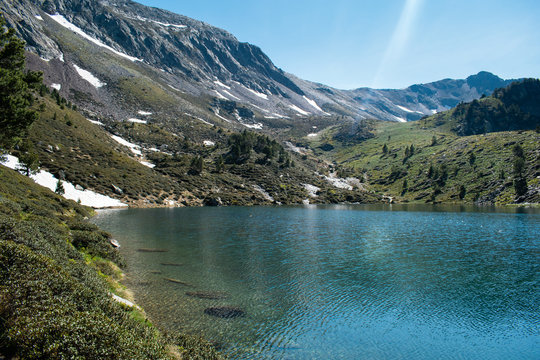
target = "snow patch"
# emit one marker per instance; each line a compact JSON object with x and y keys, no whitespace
{"x":257,"y":126}
{"x":124,"y":301}
{"x":147,"y":164}
{"x":312,"y":135}
{"x":86,"y":197}
{"x":341,"y":183}
{"x":312,"y":190}
{"x":217,"y":82}
{"x":294,"y":148}
{"x":56,"y":86}
{"x":312,"y":103}
{"x":88,"y":76}
{"x":175,"y":89}
{"x":256,"y":93}
{"x":399,"y":119}
{"x":221,"y":117}
{"x":231,"y":95}
{"x":208,"y":143}
{"x":144,"y":113}
{"x":298,"y":110}
{"x":134,"y":148}
{"x":38,"y":17}
{"x":433,"y":111}
{"x":96,"y":122}
{"x":263,"y":192}
{"x":220,"y":96}
{"x":138,"y":121}
{"x":60,"y":19}
{"x":405,"y":109}
{"x":178,"y":26}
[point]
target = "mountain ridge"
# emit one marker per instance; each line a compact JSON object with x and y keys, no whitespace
{"x":203,"y":60}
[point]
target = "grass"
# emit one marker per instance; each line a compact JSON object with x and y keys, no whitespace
{"x":487,"y":180}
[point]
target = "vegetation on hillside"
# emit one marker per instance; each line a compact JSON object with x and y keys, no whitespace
{"x":56,"y":275}
{"x":415,"y":163}
{"x":516,"y":107}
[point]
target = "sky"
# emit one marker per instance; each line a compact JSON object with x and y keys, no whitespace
{"x":381,"y":43}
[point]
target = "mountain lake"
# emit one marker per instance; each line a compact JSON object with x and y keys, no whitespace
{"x":339,"y":282}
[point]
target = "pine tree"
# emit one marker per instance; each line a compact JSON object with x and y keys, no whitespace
{"x":220,"y":164}
{"x":472,"y":159}
{"x":15,"y":89}
{"x":520,"y":181}
{"x":59,"y":187}
{"x":462,"y":192}
{"x":196,"y":166}
{"x":30,"y":163}
{"x":404,"y":187}
{"x":385,"y":149}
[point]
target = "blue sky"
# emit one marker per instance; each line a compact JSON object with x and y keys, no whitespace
{"x":381,"y":43}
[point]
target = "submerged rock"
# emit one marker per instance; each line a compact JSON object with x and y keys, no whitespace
{"x":152,"y":250}
{"x":172,"y":264}
{"x":211,"y":295}
{"x":225,"y":312}
{"x":176,"y":281}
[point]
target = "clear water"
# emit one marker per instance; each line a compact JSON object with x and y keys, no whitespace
{"x":342,"y":282}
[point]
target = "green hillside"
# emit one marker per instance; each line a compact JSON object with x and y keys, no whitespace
{"x":428,"y":160}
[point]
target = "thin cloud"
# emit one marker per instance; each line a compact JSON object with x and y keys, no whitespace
{"x":400,"y":37}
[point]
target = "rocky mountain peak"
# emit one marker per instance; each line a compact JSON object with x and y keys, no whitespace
{"x":195,"y":58}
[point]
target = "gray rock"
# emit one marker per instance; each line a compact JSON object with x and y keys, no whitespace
{"x":226,"y":312}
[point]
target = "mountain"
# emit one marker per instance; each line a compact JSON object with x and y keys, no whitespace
{"x":169,"y":98}
{"x":466,"y":154}
{"x":115,"y":58}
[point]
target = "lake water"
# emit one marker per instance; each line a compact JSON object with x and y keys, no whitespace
{"x":341,"y":282}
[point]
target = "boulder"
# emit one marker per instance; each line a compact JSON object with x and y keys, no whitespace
{"x":225,"y":312}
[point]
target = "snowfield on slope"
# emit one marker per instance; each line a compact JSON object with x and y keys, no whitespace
{"x":86,"y":197}
{"x":134,"y":148}
{"x":88,"y":76}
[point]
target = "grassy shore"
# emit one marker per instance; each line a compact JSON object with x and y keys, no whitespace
{"x":58,"y":275}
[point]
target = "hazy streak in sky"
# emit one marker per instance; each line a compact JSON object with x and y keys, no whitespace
{"x":399,"y":39}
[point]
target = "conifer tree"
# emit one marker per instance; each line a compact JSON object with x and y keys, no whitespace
{"x":15,"y":89}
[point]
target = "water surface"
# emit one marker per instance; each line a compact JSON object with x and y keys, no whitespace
{"x":341,"y":282}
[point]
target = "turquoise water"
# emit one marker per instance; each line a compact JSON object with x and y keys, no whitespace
{"x":341,"y":282}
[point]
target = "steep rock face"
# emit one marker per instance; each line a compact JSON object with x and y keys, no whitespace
{"x":185,"y":56}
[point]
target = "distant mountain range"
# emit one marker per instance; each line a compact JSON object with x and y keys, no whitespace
{"x":115,"y":56}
